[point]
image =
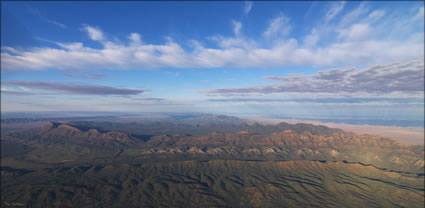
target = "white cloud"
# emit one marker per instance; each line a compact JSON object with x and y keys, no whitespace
{"x":38,"y":13}
{"x":71,"y":46}
{"x":363,"y":39}
{"x":247,"y":7}
{"x":57,"y":24}
{"x":375,"y":15}
{"x":94,"y":33}
{"x":233,"y":52}
{"x":356,"y":31}
{"x":311,"y":39}
{"x":278,"y":26}
{"x":419,"y":15}
{"x":135,"y":38}
{"x":237,"y":26}
{"x":354,"y":15}
{"x":334,"y":10}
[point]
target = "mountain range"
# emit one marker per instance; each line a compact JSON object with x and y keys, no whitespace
{"x":106,"y":164}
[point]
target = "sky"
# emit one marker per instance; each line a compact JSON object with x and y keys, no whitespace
{"x":332,"y":60}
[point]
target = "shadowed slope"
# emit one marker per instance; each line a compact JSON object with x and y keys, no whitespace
{"x":216,"y":183}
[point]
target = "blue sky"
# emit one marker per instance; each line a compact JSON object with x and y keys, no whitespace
{"x":280,"y":59}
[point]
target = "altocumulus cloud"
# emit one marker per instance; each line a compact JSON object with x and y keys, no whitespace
{"x":74,"y":88}
{"x":362,"y":38}
{"x":407,"y":77}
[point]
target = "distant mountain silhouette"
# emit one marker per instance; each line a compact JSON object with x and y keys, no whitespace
{"x":60,"y":133}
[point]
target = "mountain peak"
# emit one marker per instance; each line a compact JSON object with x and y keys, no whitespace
{"x":68,"y":127}
{"x":60,"y":131}
{"x":53,"y":124}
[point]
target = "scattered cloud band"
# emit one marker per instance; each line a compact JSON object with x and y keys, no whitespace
{"x":73,"y":88}
{"x":405,"y":77}
{"x":361,"y":38}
